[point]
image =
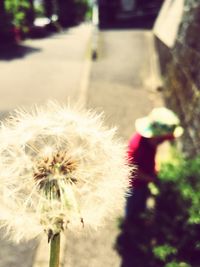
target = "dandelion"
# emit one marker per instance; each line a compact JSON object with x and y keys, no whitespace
{"x":60,"y":168}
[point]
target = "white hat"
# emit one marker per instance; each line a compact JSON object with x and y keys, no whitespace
{"x":161,"y":121}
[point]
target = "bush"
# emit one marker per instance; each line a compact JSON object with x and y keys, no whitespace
{"x":169,"y":234}
{"x":83,"y":10}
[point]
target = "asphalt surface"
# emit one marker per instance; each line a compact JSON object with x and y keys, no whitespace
{"x":122,"y":86}
{"x":121,"y":83}
{"x":34,"y":72}
{"x":124,"y":78}
{"x":41,"y":69}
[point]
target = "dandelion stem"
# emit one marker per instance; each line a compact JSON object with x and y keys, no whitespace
{"x":55,"y":251}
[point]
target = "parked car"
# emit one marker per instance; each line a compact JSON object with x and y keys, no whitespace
{"x":43,"y":26}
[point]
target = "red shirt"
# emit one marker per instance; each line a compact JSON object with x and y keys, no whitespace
{"x":142,"y":155}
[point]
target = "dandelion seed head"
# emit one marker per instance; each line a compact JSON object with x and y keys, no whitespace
{"x":60,"y":168}
{"x":54,"y":167}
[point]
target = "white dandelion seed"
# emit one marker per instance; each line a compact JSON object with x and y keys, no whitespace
{"x":59,"y":167}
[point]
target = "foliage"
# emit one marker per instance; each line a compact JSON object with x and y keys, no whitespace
{"x":84,"y":9}
{"x":71,"y":12}
{"x":176,"y":264}
{"x":19,"y":15}
{"x":162,"y":252}
{"x":186,"y":172}
{"x":39,"y":10}
{"x":17,"y":9}
{"x":168,"y":234}
{"x":6,"y":29}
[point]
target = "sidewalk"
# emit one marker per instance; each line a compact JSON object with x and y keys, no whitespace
{"x":40,"y":69}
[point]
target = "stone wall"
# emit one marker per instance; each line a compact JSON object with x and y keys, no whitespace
{"x":180,"y":70}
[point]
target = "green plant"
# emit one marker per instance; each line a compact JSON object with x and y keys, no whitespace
{"x":83,"y":10}
{"x":18,"y":10}
{"x":186,"y":173}
{"x":6,"y":29}
{"x":176,"y":264}
{"x":162,"y":252}
{"x":169,"y":234}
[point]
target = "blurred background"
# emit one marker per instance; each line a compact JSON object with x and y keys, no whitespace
{"x":122,"y":57}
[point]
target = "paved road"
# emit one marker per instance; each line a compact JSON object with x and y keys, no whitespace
{"x":121,"y":84}
{"x":124,"y":78}
{"x":51,"y":68}
{"x":44,"y":68}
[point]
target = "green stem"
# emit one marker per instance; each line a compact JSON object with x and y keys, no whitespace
{"x":55,"y":251}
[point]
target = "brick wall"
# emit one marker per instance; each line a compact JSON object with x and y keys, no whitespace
{"x":180,"y":70}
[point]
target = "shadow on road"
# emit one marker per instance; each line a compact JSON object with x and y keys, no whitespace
{"x":11,"y":52}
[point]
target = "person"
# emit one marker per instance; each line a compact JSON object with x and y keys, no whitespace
{"x":159,"y":126}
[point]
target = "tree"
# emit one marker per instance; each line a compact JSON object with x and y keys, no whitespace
{"x":6,"y":33}
{"x":49,"y":8}
{"x":66,"y":12}
{"x":21,"y":13}
{"x":30,"y":13}
{"x":71,"y":12}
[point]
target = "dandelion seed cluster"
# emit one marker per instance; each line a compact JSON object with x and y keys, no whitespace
{"x":60,"y":167}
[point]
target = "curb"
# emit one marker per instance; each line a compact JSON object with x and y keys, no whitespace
{"x":154,"y":80}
